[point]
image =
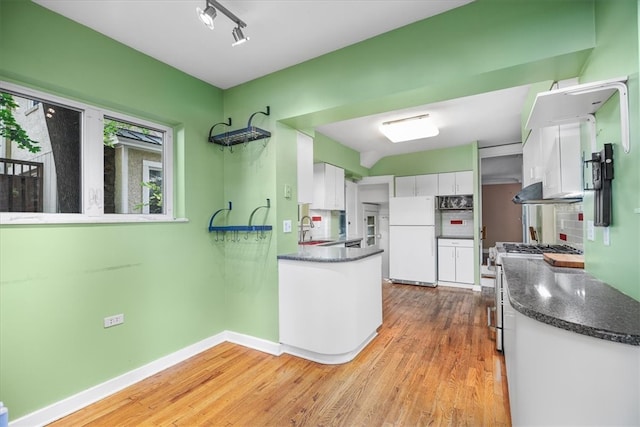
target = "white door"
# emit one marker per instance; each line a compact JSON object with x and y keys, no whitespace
{"x":464,"y":182}
{"x":405,"y":186}
{"x":427,"y":185}
{"x":465,"y":263}
{"x":371,"y":233}
{"x":447,"y":184}
{"x":412,"y":210}
{"x":351,"y":208}
{"x":412,"y":253}
{"x":446,"y":263}
{"x":383,"y":241}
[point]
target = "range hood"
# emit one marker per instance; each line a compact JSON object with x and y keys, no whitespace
{"x":532,"y":195}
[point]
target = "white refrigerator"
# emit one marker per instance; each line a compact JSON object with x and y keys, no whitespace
{"x":412,"y":240}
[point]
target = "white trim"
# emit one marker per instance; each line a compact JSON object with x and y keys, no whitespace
{"x":93,"y":394}
{"x":470,"y":286}
{"x":10,"y":218}
{"x":500,"y":150}
{"x":92,"y":164}
{"x":328,"y":359}
{"x":148,"y":165}
{"x":259,"y":344}
{"x":143,"y":146}
{"x":124,"y":179}
{"x":380,"y":179}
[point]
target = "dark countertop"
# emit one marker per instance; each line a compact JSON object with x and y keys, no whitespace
{"x":456,"y":237}
{"x":571,"y":299}
{"x":318,"y":253}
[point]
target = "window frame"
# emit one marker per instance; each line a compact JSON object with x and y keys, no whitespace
{"x":147,"y":167}
{"x":92,"y":166}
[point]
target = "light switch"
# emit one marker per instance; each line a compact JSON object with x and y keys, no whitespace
{"x":287,"y":191}
{"x":286,"y":226}
{"x":606,"y":237}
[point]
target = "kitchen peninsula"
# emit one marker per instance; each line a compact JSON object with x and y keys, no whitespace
{"x":571,"y":346}
{"x":330,"y":301}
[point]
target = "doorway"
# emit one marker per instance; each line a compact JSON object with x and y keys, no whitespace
{"x":375,"y":191}
{"x":500,"y":180}
{"x":371,"y":227}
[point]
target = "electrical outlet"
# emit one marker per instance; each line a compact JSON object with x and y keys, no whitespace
{"x":113,"y":320}
{"x":286,"y":226}
{"x":591,"y":231}
{"x":606,"y":236}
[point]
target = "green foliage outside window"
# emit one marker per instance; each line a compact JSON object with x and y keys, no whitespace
{"x":10,"y":129}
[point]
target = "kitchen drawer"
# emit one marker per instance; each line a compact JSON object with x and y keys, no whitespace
{"x":463,"y":243}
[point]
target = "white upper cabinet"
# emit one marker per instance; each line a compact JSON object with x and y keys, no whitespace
{"x":418,"y":185}
{"x":328,"y":185}
{"x":531,"y":159}
{"x":305,"y":168}
{"x":455,"y":183}
{"x":552,"y":156}
{"x":562,"y":170}
{"x":427,"y":185}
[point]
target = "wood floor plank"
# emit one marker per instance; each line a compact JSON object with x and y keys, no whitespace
{"x":432,"y":363}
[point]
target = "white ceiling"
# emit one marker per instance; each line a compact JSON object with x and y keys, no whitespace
{"x":491,"y":119}
{"x":287,"y":32}
{"x":282,"y":32}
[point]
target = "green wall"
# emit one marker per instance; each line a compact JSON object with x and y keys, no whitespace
{"x":616,"y":55}
{"x":486,"y":45}
{"x":175,"y":284}
{"x":433,"y":161}
{"x":57,"y":282}
{"x":328,"y":150}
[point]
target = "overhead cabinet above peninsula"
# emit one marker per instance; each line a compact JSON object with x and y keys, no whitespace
{"x":328,"y":187}
{"x":551,"y":155}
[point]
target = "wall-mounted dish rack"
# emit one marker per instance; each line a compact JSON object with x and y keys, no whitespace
{"x":232,"y":232}
{"x":240,"y":136}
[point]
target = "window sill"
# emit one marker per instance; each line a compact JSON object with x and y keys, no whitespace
{"x":9,"y":218}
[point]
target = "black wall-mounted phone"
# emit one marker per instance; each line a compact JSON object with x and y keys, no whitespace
{"x":602,"y":174}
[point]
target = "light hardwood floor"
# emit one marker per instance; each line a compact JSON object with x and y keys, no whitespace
{"x":432,"y":363}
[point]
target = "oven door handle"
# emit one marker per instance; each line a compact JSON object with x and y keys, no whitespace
{"x":489,"y":324}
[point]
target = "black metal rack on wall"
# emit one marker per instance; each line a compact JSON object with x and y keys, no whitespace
{"x":239,"y":136}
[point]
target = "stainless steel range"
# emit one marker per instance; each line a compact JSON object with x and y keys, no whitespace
{"x":519,"y":250}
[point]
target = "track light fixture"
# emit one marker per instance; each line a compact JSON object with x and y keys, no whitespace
{"x":209,"y":13}
{"x":238,"y":36}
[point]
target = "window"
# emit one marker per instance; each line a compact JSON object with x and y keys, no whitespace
{"x":64,"y":157}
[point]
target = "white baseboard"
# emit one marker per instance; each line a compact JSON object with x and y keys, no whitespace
{"x":471,"y":286}
{"x":78,"y":401}
{"x":259,"y":344}
{"x":328,"y":359}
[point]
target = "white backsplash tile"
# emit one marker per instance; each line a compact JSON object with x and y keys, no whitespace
{"x":456,"y":223}
{"x":321,"y":229}
{"x":570,"y":225}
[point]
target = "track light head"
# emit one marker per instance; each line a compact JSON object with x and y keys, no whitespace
{"x":207,"y":15}
{"x":238,"y":36}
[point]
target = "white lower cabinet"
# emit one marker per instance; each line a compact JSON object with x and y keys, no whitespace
{"x":456,"y":261}
{"x":558,"y":377}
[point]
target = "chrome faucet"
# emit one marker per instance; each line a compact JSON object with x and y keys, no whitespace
{"x":303,"y":232}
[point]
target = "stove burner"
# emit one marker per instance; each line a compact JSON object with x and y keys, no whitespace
{"x":518,"y":248}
